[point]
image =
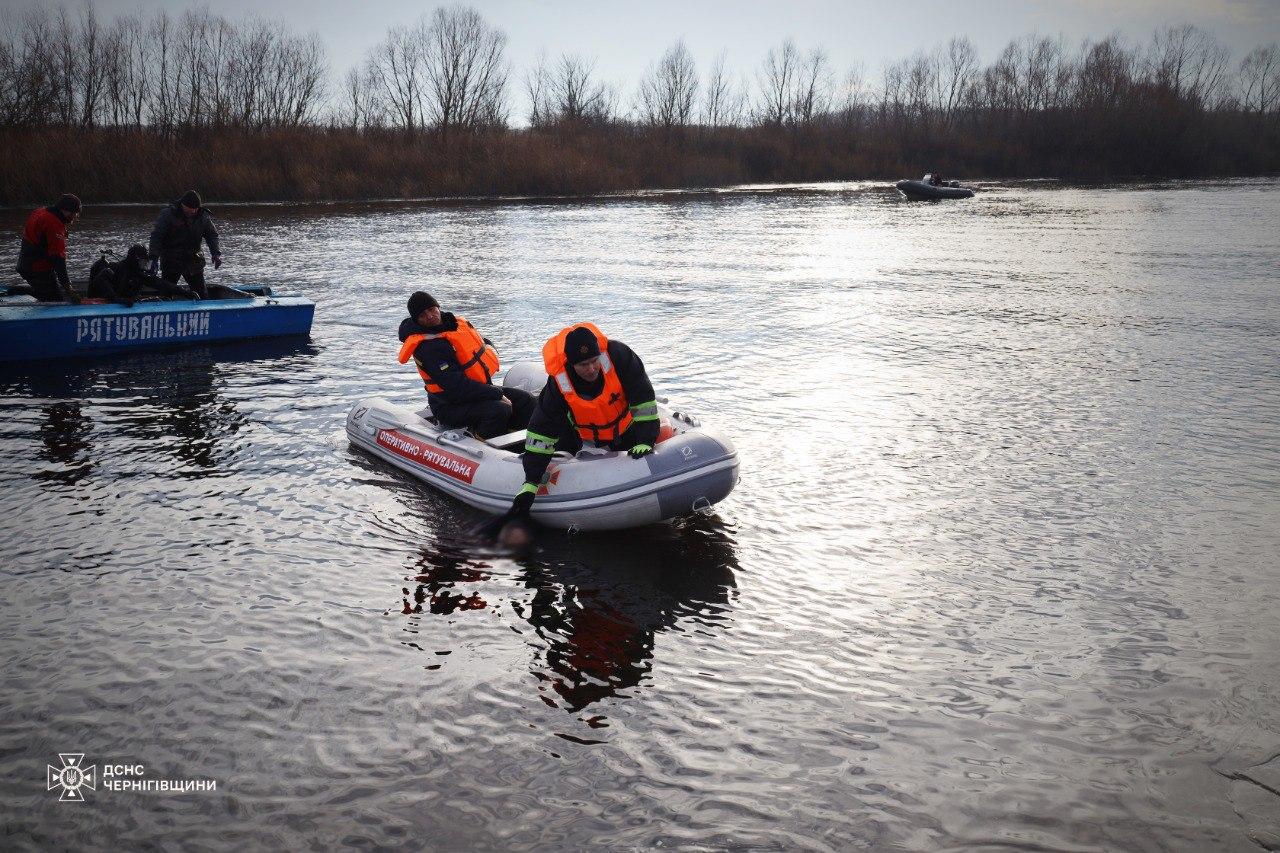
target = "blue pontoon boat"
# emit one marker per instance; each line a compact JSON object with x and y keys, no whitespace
{"x":43,"y":330}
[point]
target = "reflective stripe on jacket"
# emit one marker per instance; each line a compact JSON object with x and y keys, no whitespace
{"x":479,"y":360}
{"x":602,"y":418}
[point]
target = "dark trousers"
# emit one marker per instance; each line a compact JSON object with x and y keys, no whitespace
{"x":44,"y":286}
{"x":488,"y":418}
{"x":192,"y":272}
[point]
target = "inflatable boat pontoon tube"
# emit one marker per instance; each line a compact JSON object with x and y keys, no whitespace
{"x":921,"y":190}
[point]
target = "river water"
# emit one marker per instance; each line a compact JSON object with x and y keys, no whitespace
{"x":1002,"y":569}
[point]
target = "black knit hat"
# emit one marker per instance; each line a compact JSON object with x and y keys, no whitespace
{"x":191,"y":198}
{"x":68,"y":203}
{"x":580,"y":345}
{"x":421,"y":301}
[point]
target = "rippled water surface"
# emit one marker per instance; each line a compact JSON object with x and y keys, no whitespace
{"x":1002,"y":569}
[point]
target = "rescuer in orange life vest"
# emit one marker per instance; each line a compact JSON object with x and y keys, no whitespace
{"x":597,"y":390}
{"x":457,"y":366}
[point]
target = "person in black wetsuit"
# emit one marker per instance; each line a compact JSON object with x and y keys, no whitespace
{"x":457,"y":366}
{"x":123,"y":281}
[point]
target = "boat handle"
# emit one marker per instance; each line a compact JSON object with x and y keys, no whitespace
{"x":446,"y":438}
{"x":702,"y":506}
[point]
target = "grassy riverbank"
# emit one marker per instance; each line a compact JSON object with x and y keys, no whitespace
{"x":314,"y":163}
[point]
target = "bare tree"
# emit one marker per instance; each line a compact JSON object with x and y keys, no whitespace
{"x":358,"y":106}
{"x":166,"y":73}
{"x":27,"y":80}
{"x":192,"y":36}
{"x":396,"y":70}
{"x":574,"y":96}
{"x":811,"y":96}
{"x":1190,"y":63}
{"x":250,"y":75}
{"x":465,"y":70}
{"x":216,"y":66}
{"x":302,"y":69}
{"x":920,"y":81}
{"x":893,"y":98}
{"x":67,"y":66}
{"x":715,"y":93}
{"x":668,"y":89}
{"x":1260,"y":80}
{"x":957,"y":75}
{"x":90,"y":69}
{"x":1031,"y":74}
{"x":127,"y":83}
{"x":776,"y":81}
{"x":850,"y":101}
{"x":1103,"y":76}
{"x":537,"y":85}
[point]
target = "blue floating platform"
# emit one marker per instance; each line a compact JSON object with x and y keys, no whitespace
{"x":33,"y":330}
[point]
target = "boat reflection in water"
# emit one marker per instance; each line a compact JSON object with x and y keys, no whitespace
{"x":598,"y":601}
{"x":64,"y":436}
{"x":159,"y":409}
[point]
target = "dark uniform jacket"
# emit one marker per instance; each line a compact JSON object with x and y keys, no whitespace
{"x":440,"y":362}
{"x":551,"y":418}
{"x":175,"y":240}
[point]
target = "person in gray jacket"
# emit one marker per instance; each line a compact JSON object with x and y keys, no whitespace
{"x":175,"y":242}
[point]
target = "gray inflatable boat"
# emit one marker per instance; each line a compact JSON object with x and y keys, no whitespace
{"x":692,"y":467}
{"x":921,"y":190}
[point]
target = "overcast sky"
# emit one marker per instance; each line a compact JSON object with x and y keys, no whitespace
{"x":625,"y":37}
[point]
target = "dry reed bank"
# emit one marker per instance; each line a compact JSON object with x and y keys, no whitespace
{"x":313,"y":163}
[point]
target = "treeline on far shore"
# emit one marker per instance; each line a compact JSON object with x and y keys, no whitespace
{"x":315,"y":163}
{"x":138,"y":108}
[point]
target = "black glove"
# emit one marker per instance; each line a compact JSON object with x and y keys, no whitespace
{"x":524,"y":499}
{"x":519,"y":509}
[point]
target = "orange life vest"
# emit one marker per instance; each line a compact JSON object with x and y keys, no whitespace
{"x":604,"y":417}
{"x":479,"y":360}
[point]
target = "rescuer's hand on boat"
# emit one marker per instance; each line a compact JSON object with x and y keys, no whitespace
{"x":524,"y":499}
{"x":640,"y":450}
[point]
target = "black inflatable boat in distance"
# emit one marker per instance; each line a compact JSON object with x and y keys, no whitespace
{"x":921,"y":190}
